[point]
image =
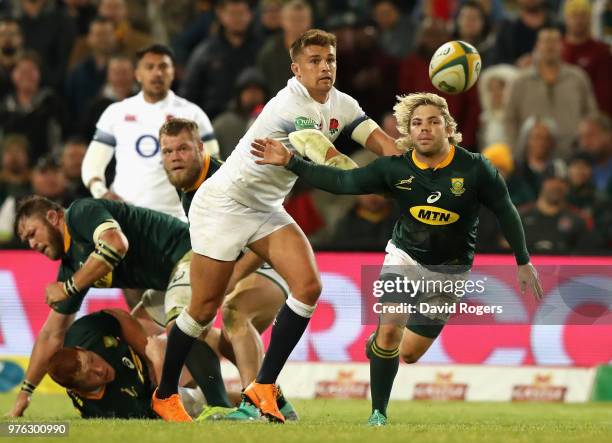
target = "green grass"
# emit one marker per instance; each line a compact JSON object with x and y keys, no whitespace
{"x":343,"y":421}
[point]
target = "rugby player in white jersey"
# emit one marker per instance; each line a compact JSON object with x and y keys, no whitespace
{"x":128,"y":130}
{"x":241,"y":205}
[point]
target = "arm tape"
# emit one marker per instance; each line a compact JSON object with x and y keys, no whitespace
{"x":363,"y":130}
{"x":105,"y":226}
{"x":107,"y":254}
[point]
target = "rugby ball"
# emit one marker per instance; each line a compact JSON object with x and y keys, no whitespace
{"x":455,"y":67}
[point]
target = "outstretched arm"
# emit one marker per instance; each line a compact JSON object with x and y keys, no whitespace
{"x":368,"y":180}
{"x":494,"y":194}
{"x":49,"y":340}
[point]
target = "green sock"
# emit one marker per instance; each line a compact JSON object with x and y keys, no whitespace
{"x":384,"y":364}
{"x":205,"y":367}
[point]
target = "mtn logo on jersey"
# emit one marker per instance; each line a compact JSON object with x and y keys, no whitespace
{"x":130,"y":118}
{"x":432,"y":215}
{"x":306,"y":123}
{"x":405,"y":184}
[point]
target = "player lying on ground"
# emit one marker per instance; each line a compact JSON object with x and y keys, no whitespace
{"x":251,"y":307}
{"x":102,"y":243}
{"x":435,"y":176}
{"x":241,"y":205}
{"x":110,"y":367}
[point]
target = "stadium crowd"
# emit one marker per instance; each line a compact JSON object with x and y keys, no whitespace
{"x":540,"y":111}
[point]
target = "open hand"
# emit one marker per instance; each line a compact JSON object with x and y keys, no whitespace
{"x":528,"y":278}
{"x":271,"y":152}
{"x":21,"y":403}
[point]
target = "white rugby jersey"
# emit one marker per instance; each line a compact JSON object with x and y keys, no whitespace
{"x":131,"y":127}
{"x":264,"y":187}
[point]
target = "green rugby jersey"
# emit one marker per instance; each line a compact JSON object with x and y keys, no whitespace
{"x":156,"y":243}
{"x":211,"y":165}
{"x":129,"y":394}
{"x":439,"y":207}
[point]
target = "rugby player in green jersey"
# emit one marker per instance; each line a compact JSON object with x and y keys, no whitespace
{"x":253,"y":302}
{"x":102,"y":243}
{"x":105,"y":368}
{"x":440,"y":187}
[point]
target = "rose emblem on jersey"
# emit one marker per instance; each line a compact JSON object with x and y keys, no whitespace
{"x":333,"y":126}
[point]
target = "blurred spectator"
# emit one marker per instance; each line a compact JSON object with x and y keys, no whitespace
{"x":231,"y":125}
{"x":71,"y":161}
{"x":414,"y":77}
{"x":494,"y":10}
{"x":273,"y":61}
{"x":129,"y":40}
{"x":500,"y":155}
{"x":551,"y":88}
{"x":49,"y":181}
{"x":38,"y":113}
{"x":11,"y":48}
{"x":270,"y":18}
{"x":493,"y":91}
{"x":472,"y":26}
{"x":552,"y":226}
{"x":88,"y":76}
{"x":82,"y":12}
{"x":120,"y":84}
{"x":50,"y":32}
{"x":15,"y":169}
{"x":389,"y":125}
{"x":582,"y":193}
{"x":214,"y":66}
{"x":537,"y":146}
{"x":602,"y":20}
{"x":516,"y":37}
{"x":579,"y":48}
{"x":14,"y":185}
{"x":595,"y":138}
{"x":187,"y":33}
{"x":364,"y":70}
{"x":397,"y":30}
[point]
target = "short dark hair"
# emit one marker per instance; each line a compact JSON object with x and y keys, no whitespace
{"x":312,"y":37}
{"x":32,"y":56}
{"x":156,"y":48}
{"x":223,"y":3}
{"x":64,"y":366}
{"x":35,"y":206}
{"x":175,"y":126}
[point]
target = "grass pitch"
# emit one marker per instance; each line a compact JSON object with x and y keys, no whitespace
{"x":343,"y":421}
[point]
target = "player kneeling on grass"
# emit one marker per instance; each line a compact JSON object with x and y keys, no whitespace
{"x":103,"y":243}
{"x":441,"y":187}
{"x":253,"y":302}
{"x":108,"y":366}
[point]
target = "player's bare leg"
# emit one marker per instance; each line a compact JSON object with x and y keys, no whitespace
{"x":288,"y":251}
{"x":247,"y":312}
{"x":209,"y":279}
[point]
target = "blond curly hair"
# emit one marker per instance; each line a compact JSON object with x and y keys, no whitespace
{"x":404,"y":110}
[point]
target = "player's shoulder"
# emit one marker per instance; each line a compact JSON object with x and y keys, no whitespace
{"x":468,"y":158}
{"x":343,"y":98}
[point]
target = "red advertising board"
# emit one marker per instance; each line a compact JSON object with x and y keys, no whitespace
{"x":336,"y":332}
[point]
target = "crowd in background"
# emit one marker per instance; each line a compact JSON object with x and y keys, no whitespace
{"x":540,"y":111}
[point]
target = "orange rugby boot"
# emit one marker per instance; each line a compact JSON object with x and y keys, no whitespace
{"x":170,"y":409}
{"x":263,"y":396}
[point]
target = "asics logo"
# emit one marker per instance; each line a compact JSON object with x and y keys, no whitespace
{"x":434,"y":197}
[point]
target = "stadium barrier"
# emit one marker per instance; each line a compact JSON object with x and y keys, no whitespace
{"x":337,"y":332}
